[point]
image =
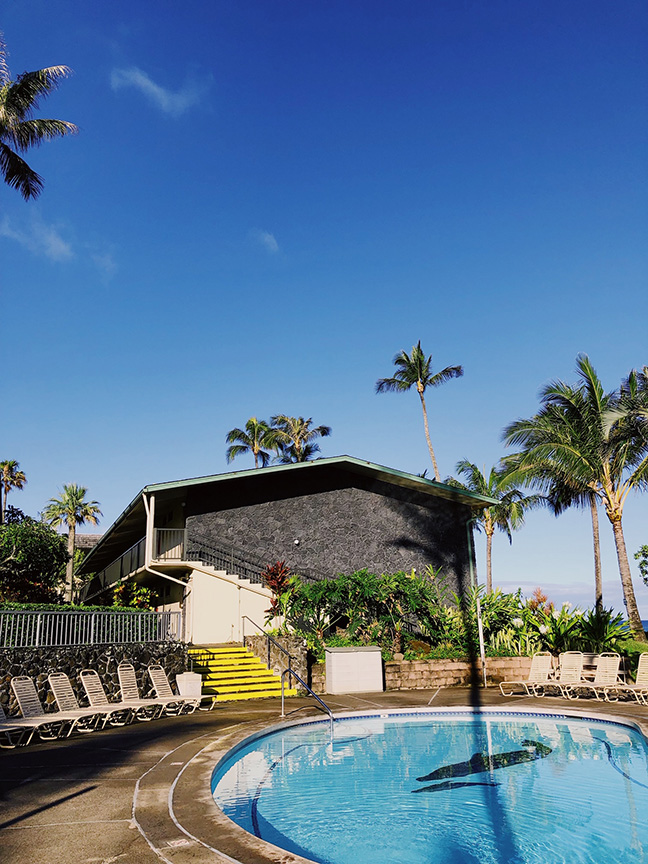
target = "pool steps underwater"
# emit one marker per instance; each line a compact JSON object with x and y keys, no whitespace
{"x":232,"y":673}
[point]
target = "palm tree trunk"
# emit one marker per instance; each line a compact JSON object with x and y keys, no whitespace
{"x":489,"y":569}
{"x":69,"y":569}
{"x":626,"y":581}
{"x":598,"y":579}
{"x":437,"y":476}
{"x":3,"y":491}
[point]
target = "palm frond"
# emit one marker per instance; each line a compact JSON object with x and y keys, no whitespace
{"x":17,"y":173}
{"x":444,"y":375}
{"x":31,"y":133}
{"x":25,"y":93}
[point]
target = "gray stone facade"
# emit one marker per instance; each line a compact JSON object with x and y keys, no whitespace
{"x":338,"y":530}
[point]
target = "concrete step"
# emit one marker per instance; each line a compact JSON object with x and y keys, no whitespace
{"x":262,"y":694}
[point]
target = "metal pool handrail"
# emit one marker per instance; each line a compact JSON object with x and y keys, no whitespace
{"x":306,"y":687}
{"x":269,"y":640}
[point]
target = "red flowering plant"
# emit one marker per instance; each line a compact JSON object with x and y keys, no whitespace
{"x":278,"y":579}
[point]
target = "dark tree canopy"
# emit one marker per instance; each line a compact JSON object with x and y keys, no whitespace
{"x":32,"y":562}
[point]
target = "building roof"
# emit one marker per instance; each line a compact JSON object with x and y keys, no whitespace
{"x":127,"y":528}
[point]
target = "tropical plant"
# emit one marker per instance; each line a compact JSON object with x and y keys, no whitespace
{"x":132,"y":596}
{"x":592,"y":438}
{"x":507,"y":515}
{"x":414,"y":370}
{"x":557,"y":631}
{"x":71,"y":510}
{"x":256,"y":436}
{"x":276,"y":577}
{"x":295,"y":439}
{"x":31,"y":559}
{"x":11,"y":477}
{"x":602,"y":630}
{"x":642,"y":557}
{"x":19,"y":130}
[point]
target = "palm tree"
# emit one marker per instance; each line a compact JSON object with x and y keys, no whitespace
{"x":559,"y":491}
{"x":507,"y":515}
{"x":413,"y":370}
{"x":11,"y":477}
{"x":72,"y":510}
{"x":594,"y":440}
{"x":256,"y":435}
{"x":296,"y":438}
{"x":19,"y":130}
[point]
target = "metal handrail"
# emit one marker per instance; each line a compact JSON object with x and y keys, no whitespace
{"x":269,"y":640}
{"x":312,"y":693}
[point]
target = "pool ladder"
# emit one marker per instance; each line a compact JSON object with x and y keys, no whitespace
{"x":322,"y":705}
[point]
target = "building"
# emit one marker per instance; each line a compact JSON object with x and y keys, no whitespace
{"x":202,"y":543}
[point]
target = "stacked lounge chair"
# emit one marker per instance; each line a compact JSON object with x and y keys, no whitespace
{"x":540,"y":673}
{"x":163,"y":691}
{"x":15,"y":731}
{"x":59,"y":724}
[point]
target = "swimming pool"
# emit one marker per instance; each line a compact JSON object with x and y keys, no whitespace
{"x":436,"y":787}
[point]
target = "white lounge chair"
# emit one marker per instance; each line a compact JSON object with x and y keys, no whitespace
{"x":48,"y":726}
{"x":119,"y":713}
{"x":570,"y":672}
{"x":163,"y":691}
{"x":606,"y":678}
{"x":14,"y":731}
{"x":89,"y":718}
{"x":639,"y":690}
{"x":147,"y":708}
{"x":539,"y":673}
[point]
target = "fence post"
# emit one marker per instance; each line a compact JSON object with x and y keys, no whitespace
{"x":38,"y":627}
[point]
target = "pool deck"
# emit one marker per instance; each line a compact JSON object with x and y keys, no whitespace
{"x":140,"y":794}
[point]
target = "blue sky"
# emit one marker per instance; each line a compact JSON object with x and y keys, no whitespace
{"x":267,"y":201}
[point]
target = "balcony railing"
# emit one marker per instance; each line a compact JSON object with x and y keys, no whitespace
{"x":67,"y":628}
{"x":178,"y":545}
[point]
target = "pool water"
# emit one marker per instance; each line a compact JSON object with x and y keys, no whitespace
{"x":445,"y":788}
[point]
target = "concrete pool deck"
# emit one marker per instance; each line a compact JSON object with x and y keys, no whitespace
{"x":140,"y":794}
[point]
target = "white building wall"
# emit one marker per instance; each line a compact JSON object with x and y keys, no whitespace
{"x":216,"y":604}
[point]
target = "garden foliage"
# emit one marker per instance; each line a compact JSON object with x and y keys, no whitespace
{"x":421,"y":616}
{"x":32,"y":558}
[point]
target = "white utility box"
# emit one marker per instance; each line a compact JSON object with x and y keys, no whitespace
{"x":354,"y":670}
{"x":189,"y":684}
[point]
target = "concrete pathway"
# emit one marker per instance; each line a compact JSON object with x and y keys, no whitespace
{"x":140,"y":794}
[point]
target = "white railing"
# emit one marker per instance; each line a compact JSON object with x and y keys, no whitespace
{"x":61,"y":629}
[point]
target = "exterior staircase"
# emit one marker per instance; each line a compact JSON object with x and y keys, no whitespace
{"x":232,"y":672}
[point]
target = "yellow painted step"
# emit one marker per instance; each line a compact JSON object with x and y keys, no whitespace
{"x":232,"y":697}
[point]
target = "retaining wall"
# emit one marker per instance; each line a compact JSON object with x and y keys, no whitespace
{"x":295,"y":646}
{"x":37,"y":663}
{"x":430,"y":674}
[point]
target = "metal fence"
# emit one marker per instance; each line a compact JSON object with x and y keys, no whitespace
{"x":61,"y":629}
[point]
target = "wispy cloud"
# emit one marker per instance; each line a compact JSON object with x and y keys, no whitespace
{"x":38,"y":237}
{"x":170,"y":102}
{"x":104,"y":262}
{"x":265,"y":239}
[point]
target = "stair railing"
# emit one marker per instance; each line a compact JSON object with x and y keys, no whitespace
{"x":322,"y":705}
{"x":270,"y":641}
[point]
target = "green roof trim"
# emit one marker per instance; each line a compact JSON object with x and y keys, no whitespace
{"x":343,"y":461}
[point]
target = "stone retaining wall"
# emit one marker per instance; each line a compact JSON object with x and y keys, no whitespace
{"x":429,"y":674}
{"x":37,"y":663}
{"x":295,"y":646}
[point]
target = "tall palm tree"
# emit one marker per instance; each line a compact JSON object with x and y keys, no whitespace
{"x":593,"y":438}
{"x":11,"y":477}
{"x":71,"y":509}
{"x":256,"y":436}
{"x":507,"y":515}
{"x":19,"y":130}
{"x":559,"y":490}
{"x":296,"y":438}
{"x":414,"y":370}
